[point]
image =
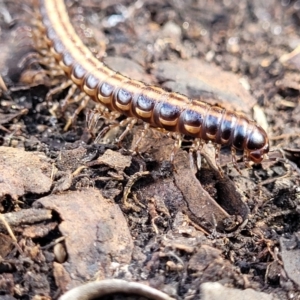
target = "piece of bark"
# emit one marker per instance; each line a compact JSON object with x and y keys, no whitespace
{"x":96,"y":233}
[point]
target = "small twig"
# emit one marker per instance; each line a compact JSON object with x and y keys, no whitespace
{"x":78,"y":170}
{"x":3,"y":85}
{"x":8,"y":228}
{"x":98,"y":289}
{"x":24,"y":216}
{"x":10,"y":232}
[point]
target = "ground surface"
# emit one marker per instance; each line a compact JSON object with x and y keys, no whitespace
{"x":82,"y":211}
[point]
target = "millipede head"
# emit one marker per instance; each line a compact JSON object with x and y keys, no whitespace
{"x":257,"y":145}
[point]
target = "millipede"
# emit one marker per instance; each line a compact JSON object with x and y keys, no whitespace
{"x":157,"y":108}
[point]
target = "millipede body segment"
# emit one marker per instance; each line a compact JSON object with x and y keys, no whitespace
{"x":170,"y":111}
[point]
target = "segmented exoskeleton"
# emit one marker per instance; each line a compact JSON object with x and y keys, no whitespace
{"x":169,"y":111}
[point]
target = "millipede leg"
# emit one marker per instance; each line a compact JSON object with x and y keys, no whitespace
{"x":104,"y":131}
{"x":28,"y":60}
{"x":109,"y":115}
{"x":39,"y":42}
{"x":177,"y":145}
{"x":131,"y":122}
{"x":198,"y":159}
{"x":217,"y":158}
{"x":82,"y":105}
{"x":192,"y":162}
{"x":44,"y":57}
{"x":234,"y":161}
{"x":196,"y":147}
{"x":200,"y":146}
{"x":143,"y":133}
{"x":47,"y":61}
{"x":54,"y":69}
{"x":59,"y":88}
{"x":92,"y":118}
{"x":101,"y":112}
{"x":69,"y":99}
{"x":246,"y":161}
